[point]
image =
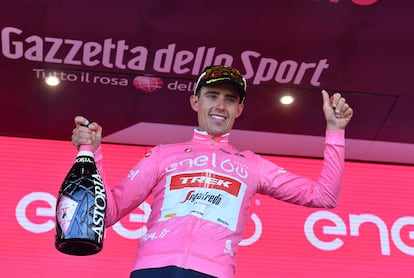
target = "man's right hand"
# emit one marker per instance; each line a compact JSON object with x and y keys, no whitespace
{"x":86,"y":133}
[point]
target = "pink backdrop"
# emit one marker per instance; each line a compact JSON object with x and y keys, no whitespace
{"x":370,"y":234}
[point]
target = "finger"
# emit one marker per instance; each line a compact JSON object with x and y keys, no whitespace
{"x":80,"y":133}
{"x":93,"y":126}
{"x":82,"y":136}
{"x":335,"y":99}
{"x":348,"y":113}
{"x":343,"y":108}
{"x":339,"y":108}
{"x":79,"y":120}
{"x":325,"y":97}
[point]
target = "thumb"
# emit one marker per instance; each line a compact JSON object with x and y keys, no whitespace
{"x":79,"y":120}
{"x":325,"y":98}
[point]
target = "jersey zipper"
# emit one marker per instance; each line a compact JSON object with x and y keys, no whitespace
{"x":191,"y":228}
{"x":190,"y":237}
{"x":192,"y":225}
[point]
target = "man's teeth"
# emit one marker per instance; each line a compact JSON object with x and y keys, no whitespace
{"x":216,"y":117}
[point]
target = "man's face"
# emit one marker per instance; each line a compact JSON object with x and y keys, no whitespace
{"x":217,"y":108}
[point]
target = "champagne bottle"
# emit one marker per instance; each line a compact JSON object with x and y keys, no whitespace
{"x":81,"y":207}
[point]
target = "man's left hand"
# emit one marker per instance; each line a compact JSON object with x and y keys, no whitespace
{"x":337,"y":111}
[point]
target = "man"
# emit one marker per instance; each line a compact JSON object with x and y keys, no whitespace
{"x":202,"y":188}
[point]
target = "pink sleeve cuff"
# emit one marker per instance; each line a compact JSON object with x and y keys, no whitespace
{"x":335,"y":137}
{"x":98,"y":154}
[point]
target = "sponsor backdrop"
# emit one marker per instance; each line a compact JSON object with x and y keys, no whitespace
{"x":134,"y":62}
{"x":370,"y":234}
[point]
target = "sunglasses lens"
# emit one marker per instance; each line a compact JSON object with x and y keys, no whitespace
{"x":221,"y":71}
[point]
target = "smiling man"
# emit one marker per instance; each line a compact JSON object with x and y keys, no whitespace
{"x":218,"y":99}
{"x":202,"y":188}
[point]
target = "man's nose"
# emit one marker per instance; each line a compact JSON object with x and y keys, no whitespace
{"x":221,"y":102}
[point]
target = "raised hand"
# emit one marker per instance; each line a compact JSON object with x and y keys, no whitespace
{"x":337,"y":111}
{"x":86,"y":133}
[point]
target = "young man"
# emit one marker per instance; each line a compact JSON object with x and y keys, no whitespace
{"x":202,"y":188}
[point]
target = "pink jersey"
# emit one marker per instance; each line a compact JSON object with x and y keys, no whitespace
{"x":202,"y":190}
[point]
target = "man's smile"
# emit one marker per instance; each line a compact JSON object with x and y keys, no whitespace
{"x":218,"y":117}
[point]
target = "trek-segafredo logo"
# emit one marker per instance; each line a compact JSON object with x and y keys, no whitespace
{"x":118,"y":54}
{"x":194,"y":196}
{"x":206,"y":180}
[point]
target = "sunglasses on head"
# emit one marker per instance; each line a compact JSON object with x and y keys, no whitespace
{"x":214,"y":73}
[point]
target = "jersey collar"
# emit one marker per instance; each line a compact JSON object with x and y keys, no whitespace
{"x":204,"y":136}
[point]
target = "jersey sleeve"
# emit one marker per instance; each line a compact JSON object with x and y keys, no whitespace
{"x":323,"y":192}
{"x":130,"y":192}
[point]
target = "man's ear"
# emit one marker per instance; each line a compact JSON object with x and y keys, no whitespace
{"x":240,"y":109}
{"x":194,"y":102}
